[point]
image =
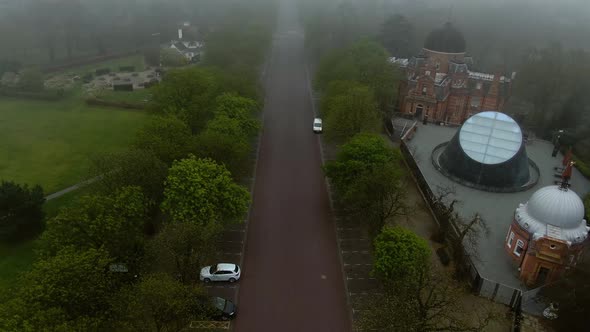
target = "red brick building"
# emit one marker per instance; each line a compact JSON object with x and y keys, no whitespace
{"x":547,"y":235}
{"x":439,"y":83}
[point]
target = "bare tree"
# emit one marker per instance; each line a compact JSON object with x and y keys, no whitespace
{"x":428,"y":302}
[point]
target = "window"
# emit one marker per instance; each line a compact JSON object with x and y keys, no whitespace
{"x":478,"y":86}
{"x":519,"y":248}
{"x":427,"y":73}
{"x":424,"y":90}
{"x":510,"y":238}
{"x":437,"y":65}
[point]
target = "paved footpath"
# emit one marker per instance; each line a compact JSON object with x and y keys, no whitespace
{"x":292,"y":277}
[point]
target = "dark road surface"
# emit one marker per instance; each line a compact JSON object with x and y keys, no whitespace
{"x":292,"y":278}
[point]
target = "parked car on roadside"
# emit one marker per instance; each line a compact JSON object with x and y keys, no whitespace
{"x":222,"y":309}
{"x":220,"y":272}
{"x":317,"y":125}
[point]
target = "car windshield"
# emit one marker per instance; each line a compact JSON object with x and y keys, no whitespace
{"x":213,"y":269}
{"x":236,"y":269}
{"x":317,"y":125}
{"x":219,"y":303}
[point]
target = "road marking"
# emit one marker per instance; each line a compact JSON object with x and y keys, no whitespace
{"x":324,"y":277}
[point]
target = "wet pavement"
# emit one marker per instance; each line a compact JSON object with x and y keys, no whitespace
{"x":292,"y":276}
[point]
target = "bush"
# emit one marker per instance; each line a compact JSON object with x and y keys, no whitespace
{"x":117,"y":104}
{"x":87,"y":77}
{"x":21,"y":211}
{"x":127,"y":68}
{"x":31,"y":79}
{"x":102,"y":71}
{"x":399,"y":254}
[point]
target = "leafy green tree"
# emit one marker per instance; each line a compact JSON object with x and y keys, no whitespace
{"x":181,"y":249}
{"x":114,"y":223}
{"x":133,"y":167}
{"x":69,"y":290}
{"x":31,"y":79}
{"x":400,"y":254}
{"x":397,"y":35}
{"x":172,"y":58}
{"x":350,"y":114}
{"x":158,"y":303}
{"x":167,"y":137}
{"x":361,"y":154}
{"x":239,"y":108}
{"x":377,"y":196}
{"x":21,"y":211}
{"x":188,"y":94}
{"x":201,"y":191}
{"x":366,"y":62}
{"x":225,"y":140}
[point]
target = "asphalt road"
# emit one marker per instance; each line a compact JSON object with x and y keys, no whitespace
{"x":292,"y":277}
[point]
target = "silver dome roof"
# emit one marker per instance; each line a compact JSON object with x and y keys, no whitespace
{"x":555,"y":212}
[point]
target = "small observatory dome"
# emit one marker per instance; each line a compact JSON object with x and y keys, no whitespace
{"x":555,"y":212}
{"x":445,"y":40}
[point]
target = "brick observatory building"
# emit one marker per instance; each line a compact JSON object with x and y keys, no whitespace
{"x":547,"y":235}
{"x":439,"y":82}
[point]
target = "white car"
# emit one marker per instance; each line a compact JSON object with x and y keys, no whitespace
{"x":220,"y":272}
{"x":317,"y":125}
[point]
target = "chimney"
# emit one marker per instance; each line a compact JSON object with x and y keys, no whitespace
{"x":180,"y":34}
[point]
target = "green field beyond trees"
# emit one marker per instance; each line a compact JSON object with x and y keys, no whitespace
{"x":50,"y":143}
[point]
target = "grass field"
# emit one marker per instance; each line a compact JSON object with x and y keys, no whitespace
{"x":50,"y":143}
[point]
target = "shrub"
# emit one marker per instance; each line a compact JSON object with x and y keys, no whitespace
{"x":127,"y":68}
{"x":399,"y":254}
{"x":102,"y":71}
{"x":21,"y":211}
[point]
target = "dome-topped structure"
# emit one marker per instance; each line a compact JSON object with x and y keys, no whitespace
{"x":554,"y":211}
{"x":445,"y":40}
{"x":487,"y":153}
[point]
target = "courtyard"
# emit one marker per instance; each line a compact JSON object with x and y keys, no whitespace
{"x":496,"y":209}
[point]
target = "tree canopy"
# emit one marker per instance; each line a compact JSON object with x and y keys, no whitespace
{"x":110,"y":222}
{"x":400,"y":254}
{"x":158,"y":303}
{"x":21,"y":211}
{"x":70,"y":290}
{"x":181,"y":249}
{"x":167,"y":137}
{"x":133,"y":167}
{"x":201,"y":191}
{"x":350,"y":113}
{"x":366,"y":62}
{"x":397,"y":36}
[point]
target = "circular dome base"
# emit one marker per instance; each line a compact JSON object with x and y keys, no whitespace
{"x":533,"y":169}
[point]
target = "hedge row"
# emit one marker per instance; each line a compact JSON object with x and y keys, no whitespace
{"x":50,"y":95}
{"x":117,"y":104}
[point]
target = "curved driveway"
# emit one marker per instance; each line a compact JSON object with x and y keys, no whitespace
{"x":292,"y":277}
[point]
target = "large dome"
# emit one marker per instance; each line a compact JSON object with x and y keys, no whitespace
{"x":487,"y":153}
{"x":445,"y":40}
{"x":555,"y":212}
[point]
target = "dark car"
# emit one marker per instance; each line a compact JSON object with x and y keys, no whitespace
{"x":223,"y":309}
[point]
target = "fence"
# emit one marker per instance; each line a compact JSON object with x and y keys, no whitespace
{"x":481,"y":286}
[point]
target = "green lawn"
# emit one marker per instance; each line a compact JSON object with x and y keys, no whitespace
{"x":50,"y":143}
